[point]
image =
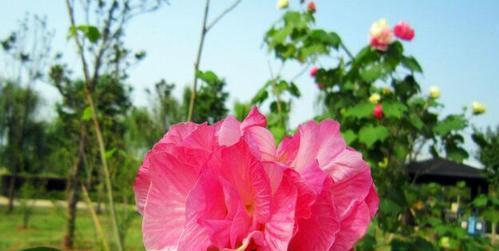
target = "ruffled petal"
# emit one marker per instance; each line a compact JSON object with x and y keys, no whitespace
{"x":318,"y":141}
{"x":254,"y":118}
{"x":317,"y":233}
{"x":246,"y":174}
{"x":352,"y":228}
{"x":280,"y":228}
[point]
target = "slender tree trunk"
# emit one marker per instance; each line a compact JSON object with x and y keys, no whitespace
{"x":73,"y":196}
{"x":12,"y":189}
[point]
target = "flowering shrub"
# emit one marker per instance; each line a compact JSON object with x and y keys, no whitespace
{"x":228,"y":187}
{"x":376,"y":96}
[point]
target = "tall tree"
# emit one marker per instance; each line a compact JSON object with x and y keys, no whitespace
{"x":28,"y":50}
{"x":99,"y":43}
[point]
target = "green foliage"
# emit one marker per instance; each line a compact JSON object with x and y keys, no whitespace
{"x":488,"y":147}
{"x":369,"y":135}
{"x":90,"y":32}
{"x":210,"y":98}
{"x":411,"y":124}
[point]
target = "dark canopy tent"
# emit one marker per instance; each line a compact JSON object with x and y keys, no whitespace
{"x":446,"y":172}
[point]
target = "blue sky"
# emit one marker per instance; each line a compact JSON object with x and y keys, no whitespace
{"x":457,"y":43}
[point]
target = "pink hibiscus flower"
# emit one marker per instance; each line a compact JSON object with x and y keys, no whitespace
{"x":228,"y":187}
{"x":404,"y":31}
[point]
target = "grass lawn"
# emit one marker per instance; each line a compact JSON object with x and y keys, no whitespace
{"x":47,"y":228}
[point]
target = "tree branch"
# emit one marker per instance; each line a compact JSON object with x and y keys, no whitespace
{"x":225,"y":12}
{"x":204,"y":31}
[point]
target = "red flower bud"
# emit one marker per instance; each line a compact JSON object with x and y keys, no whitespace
{"x":321,"y":85}
{"x":404,"y":31}
{"x":311,"y":7}
{"x":378,"y":112}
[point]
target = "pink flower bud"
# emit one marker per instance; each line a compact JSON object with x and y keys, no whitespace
{"x":404,"y":31}
{"x":378,"y":112}
{"x":313,"y":71}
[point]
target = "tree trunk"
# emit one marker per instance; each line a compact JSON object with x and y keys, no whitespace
{"x":73,"y":190}
{"x":12,"y":189}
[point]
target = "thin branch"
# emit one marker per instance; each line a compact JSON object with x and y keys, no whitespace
{"x":95,"y":218}
{"x":299,"y":74}
{"x":79,"y":45}
{"x":343,"y":46}
{"x":198,"y":60}
{"x":98,"y":131}
{"x":276,"y":96}
{"x":225,"y":12}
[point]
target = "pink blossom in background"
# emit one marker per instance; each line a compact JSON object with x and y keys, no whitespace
{"x":313,"y":71}
{"x":404,"y":31}
{"x":378,"y":112}
{"x":380,"y":35}
{"x":311,"y":7}
{"x":227,"y":186}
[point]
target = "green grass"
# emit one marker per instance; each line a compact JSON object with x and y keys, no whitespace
{"x":47,"y":228}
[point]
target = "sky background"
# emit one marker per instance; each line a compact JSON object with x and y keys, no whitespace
{"x":457,"y":43}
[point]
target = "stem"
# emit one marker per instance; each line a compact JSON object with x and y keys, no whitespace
{"x":225,"y":12}
{"x":96,"y":220}
{"x":98,"y":131}
{"x":204,"y":31}
{"x":205,"y":28}
{"x":350,"y":55}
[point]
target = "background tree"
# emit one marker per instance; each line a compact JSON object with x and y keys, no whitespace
{"x":99,"y":43}
{"x":28,"y":51}
{"x":211,"y":98}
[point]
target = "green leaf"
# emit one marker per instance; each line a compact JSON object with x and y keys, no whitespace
{"x":110,"y":153}
{"x":371,"y":134}
{"x":480,"y":201}
{"x":293,"y":90}
{"x":373,"y":72}
{"x":260,"y":96}
{"x":411,"y":64}
{"x":87,"y":114}
{"x":449,"y":124}
{"x":456,"y":153}
{"x":349,"y":136}
{"x":394,"y":109}
{"x":208,"y":76}
{"x":89,"y":31}
{"x":416,"y":121}
{"x":361,"y":110}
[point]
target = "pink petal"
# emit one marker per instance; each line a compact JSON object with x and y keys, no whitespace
{"x":240,"y":226}
{"x":171,"y":182}
{"x":178,"y":132}
{"x":254,"y":118}
{"x":280,"y":228}
{"x":317,"y":233}
{"x":261,"y":142}
{"x":321,"y":142}
{"x":372,"y":201}
{"x":229,"y":131}
{"x":204,"y":204}
{"x":287,"y":150}
{"x":345,"y":164}
{"x":351,"y":191}
{"x":352,"y":228}
{"x":163,"y":221}
{"x":247,"y":175}
{"x":141,"y":185}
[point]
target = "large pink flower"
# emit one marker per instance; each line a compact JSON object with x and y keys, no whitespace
{"x":228,"y":187}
